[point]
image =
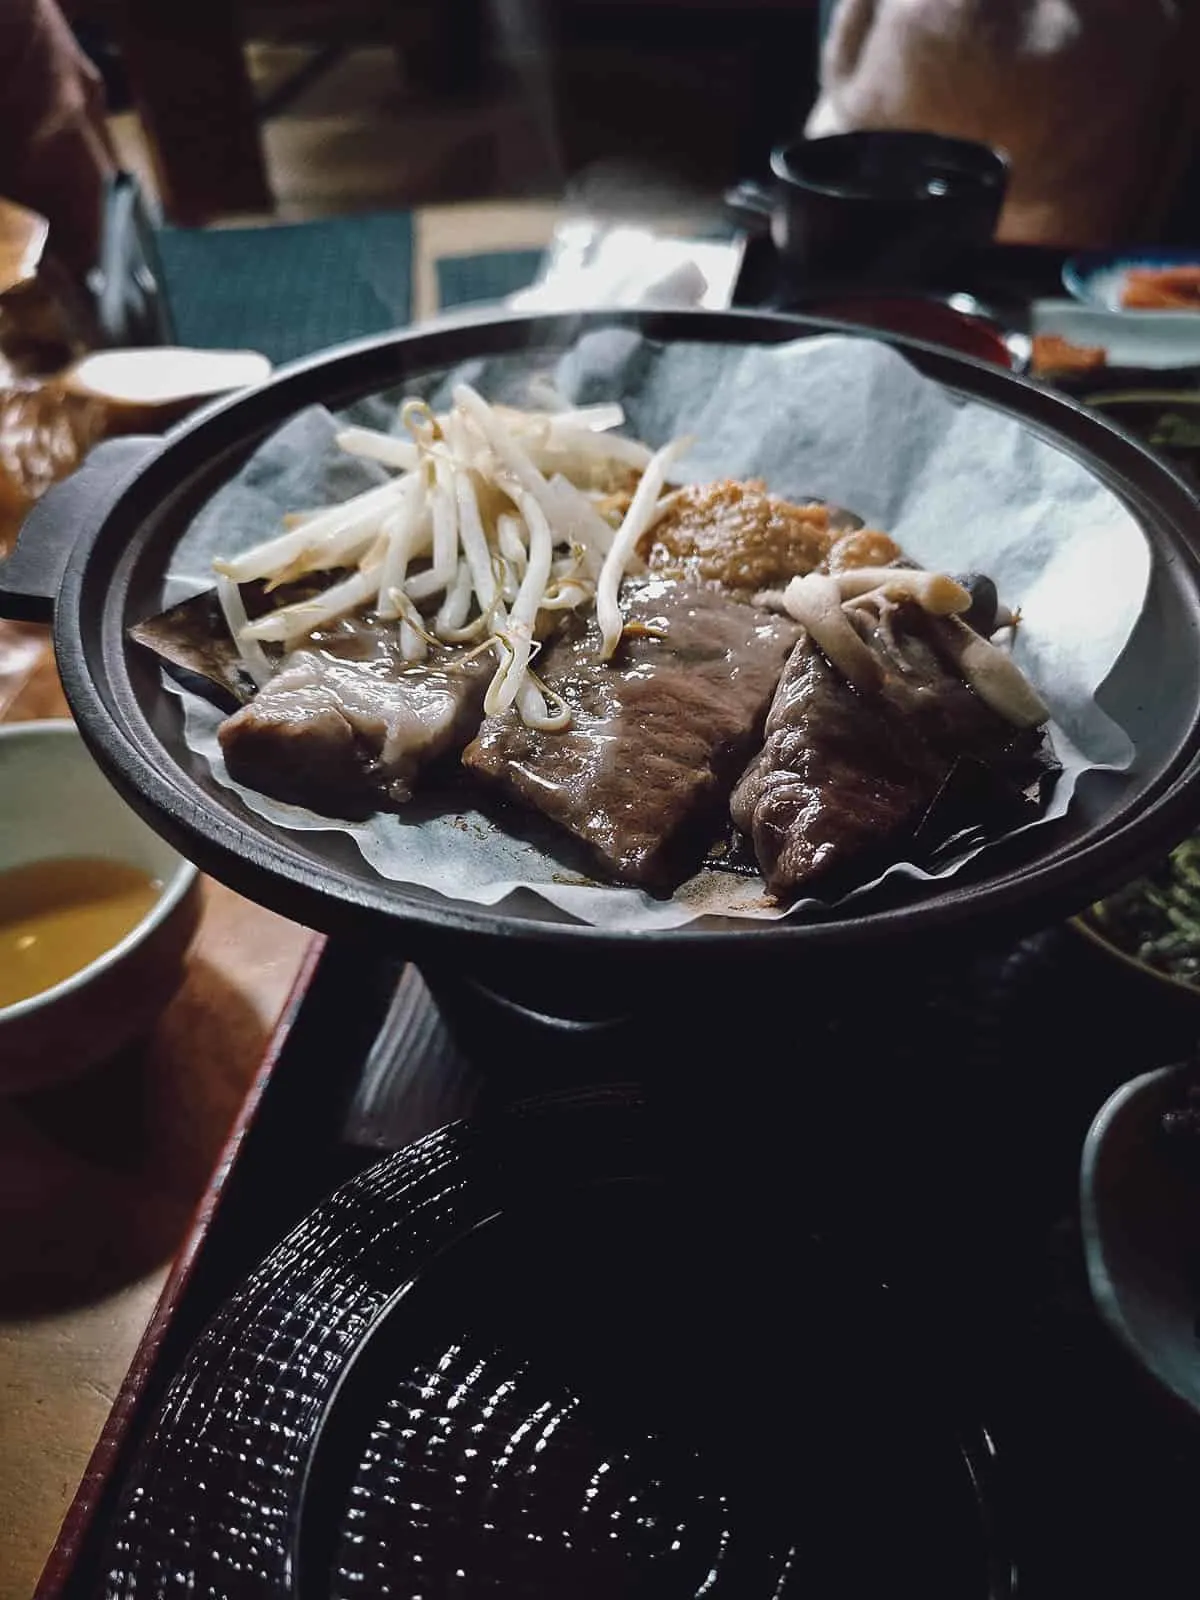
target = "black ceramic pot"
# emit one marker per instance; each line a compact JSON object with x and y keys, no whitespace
{"x":888,"y":208}
{"x":94,"y":553}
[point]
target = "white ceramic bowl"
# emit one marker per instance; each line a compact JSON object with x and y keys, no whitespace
{"x":55,"y":802}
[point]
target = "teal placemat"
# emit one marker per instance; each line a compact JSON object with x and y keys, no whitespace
{"x":466,"y":280}
{"x":289,"y":290}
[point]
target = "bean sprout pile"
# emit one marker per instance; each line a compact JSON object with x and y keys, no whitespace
{"x":494,"y":518}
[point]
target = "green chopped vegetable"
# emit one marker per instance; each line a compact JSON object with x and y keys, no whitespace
{"x":1156,"y":919}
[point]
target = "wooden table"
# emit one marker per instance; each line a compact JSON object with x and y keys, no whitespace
{"x":99,"y":1179}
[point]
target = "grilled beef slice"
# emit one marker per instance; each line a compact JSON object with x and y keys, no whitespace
{"x":843,"y":775}
{"x":346,"y":724}
{"x":658,"y":734}
{"x":192,"y":641}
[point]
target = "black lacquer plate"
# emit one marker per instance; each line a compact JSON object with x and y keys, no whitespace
{"x":550,"y":1352}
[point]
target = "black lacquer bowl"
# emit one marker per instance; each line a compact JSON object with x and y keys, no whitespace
{"x":547,"y":1353}
{"x":96,"y":549}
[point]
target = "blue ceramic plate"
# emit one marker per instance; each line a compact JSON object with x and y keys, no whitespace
{"x":1096,"y":278}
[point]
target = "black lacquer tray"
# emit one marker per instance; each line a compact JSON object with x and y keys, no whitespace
{"x":678,"y":1234}
{"x":558,"y":1350}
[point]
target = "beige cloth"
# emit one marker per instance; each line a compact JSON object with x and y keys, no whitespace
{"x":1088,"y":98}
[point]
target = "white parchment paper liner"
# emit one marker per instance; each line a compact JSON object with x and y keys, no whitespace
{"x":960,"y":486}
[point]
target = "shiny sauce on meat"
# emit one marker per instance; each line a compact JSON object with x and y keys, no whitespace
{"x":738,"y":535}
{"x":58,"y":916}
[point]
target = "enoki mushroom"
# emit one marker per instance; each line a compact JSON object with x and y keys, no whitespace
{"x":821,"y":602}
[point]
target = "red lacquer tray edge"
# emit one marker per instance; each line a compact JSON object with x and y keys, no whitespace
{"x":62,"y":1558}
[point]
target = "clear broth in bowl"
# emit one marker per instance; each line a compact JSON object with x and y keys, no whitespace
{"x":57,"y":916}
